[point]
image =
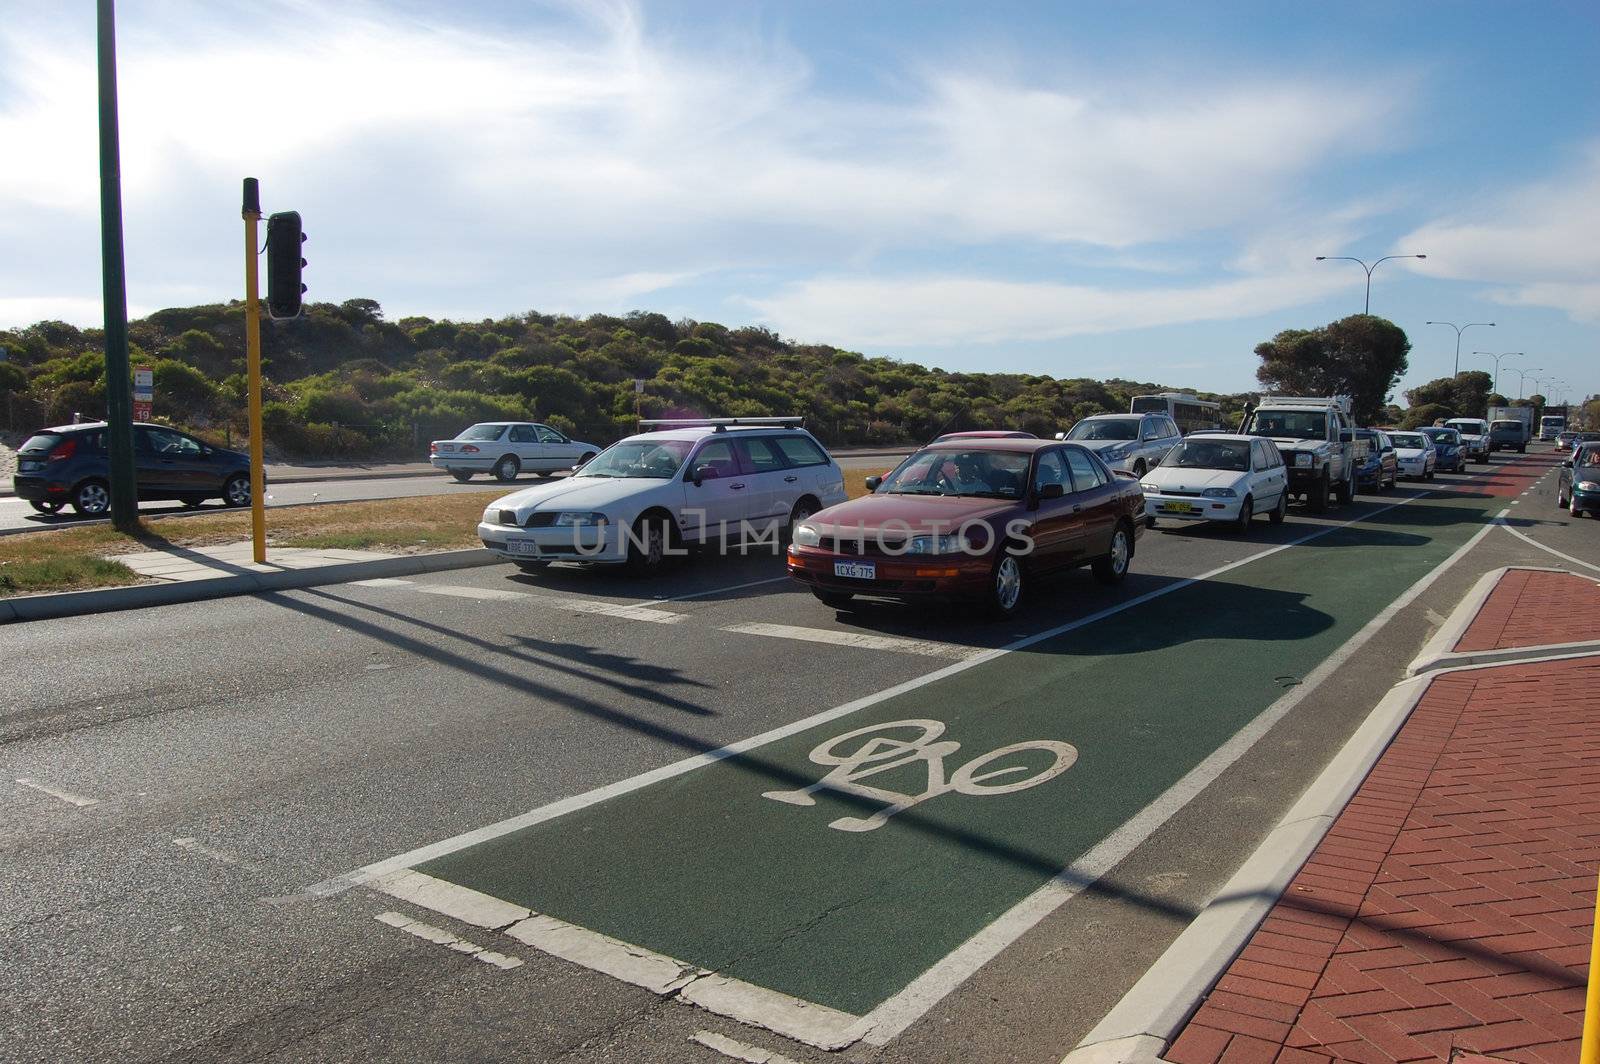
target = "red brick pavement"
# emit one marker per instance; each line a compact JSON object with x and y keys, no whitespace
{"x":1449,"y":909}
{"x":1529,"y":608}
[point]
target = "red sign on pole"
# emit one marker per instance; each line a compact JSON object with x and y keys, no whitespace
{"x":142,"y":409}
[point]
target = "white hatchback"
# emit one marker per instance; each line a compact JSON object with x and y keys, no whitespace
{"x":1214,"y":476}
{"x":1415,"y":453}
{"x":715,"y":480}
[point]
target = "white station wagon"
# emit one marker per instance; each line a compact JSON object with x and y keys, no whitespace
{"x":506,"y":448}
{"x":702,"y":481}
{"x":1216,"y":476}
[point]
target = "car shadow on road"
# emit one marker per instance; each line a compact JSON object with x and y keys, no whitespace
{"x":689,"y":576}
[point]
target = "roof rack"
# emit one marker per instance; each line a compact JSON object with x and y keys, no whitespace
{"x":722,"y":424}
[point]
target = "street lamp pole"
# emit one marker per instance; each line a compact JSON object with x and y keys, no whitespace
{"x":1459,"y":330}
{"x":1497,"y":358}
{"x":1522,"y":375}
{"x":1367,"y":308}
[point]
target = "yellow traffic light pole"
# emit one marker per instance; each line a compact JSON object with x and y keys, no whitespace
{"x":252,"y":334}
{"x":1591,"y":1012}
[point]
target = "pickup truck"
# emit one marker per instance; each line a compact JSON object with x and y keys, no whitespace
{"x":1474,"y":434}
{"x":1316,"y":436}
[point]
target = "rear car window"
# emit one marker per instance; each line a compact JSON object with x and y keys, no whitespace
{"x":759,"y":455}
{"x":800,"y":450}
{"x":40,"y":444}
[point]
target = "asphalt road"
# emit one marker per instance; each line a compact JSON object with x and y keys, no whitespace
{"x":16,"y":514}
{"x":238,"y":755}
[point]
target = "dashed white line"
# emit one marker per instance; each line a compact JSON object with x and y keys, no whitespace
{"x":737,"y":1050}
{"x":439,"y":936}
{"x":725,"y":590}
{"x":623,"y":610}
{"x":66,"y":796}
{"x":925,"y":647}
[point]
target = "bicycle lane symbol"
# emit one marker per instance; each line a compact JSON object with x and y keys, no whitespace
{"x":879,"y":753}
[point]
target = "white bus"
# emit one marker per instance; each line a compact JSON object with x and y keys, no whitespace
{"x":1192,"y":414}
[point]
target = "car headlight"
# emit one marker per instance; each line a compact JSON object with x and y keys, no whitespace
{"x":1221,"y":493}
{"x":491,"y":516}
{"x":1150,"y":489}
{"x":580,"y":518}
{"x":1302,"y":459}
{"x":1115,"y":454}
{"x":807,"y":536}
{"x":934,"y":545}
{"x":1589,"y":485}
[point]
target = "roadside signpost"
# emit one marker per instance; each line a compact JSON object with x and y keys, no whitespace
{"x":144,"y":393}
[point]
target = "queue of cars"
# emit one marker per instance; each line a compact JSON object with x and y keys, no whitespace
{"x":977,"y":516}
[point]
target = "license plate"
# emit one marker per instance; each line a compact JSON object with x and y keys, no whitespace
{"x":1179,"y":507}
{"x":522,"y":546}
{"x":856,"y":570}
{"x":29,"y":465}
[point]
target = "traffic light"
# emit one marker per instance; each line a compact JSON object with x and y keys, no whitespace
{"x":284,"y":263}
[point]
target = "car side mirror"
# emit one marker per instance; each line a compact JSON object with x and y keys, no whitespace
{"x":1052,"y":491}
{"x":873,"y":482}
{"x":703,"y":473}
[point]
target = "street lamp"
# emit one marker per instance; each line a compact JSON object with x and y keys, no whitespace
{"x":1459,"y":330}
{"x":1522,"y":374}
{"x":1497,"y":358}
{"x":1367,"y":309}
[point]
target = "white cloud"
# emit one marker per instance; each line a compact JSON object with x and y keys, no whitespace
{"x":955,"y":311}
{"x":1545,"y":234}
{"x":490,"y":171}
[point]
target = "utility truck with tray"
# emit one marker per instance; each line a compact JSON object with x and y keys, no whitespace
{"x":1316,"y":435}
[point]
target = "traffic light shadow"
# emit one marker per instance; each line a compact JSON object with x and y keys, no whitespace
{"x":685,"y":576}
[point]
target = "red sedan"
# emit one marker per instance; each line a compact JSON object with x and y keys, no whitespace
{"x":974,"y":519}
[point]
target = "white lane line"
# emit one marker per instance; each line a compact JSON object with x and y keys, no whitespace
{"x":382,"y":581}
{"x":572,"y":605}
{"x":198,"y":847}
{"x":66,"y":796}
{"x":737,"y":1050}
{"x":725,"y":590}
{"x":1533,"y":542}
{"x":435,"y":850}
{"x":925,"y":647}
{"x":439,"y":936}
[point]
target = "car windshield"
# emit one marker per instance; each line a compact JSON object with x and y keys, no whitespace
{"x":40,"y":443}
{"x":482,"y":432}
{"x":645,"y":459}
{"x":1232,"y":455}
{"x":1442,"y":435}
{"x":1290,"y":424}
{"x":1408,"y":439}
{"x":1507,"y":424}
{"x":947,"y":471}
{"x":1125,"y":428}
{"x":1469,"y":427}
{"x":1588,"y":456}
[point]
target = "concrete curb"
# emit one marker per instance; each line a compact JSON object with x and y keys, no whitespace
{"x":112,"y":599}
{"x":1150,"y":1015}
{"x":1437,"y":654}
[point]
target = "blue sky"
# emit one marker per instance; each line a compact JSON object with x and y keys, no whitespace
{"x":1075,"y":189}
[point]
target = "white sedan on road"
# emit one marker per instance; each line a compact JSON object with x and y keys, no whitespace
{"x":506,"y":448}
{"x":1218,"y":477}
{"x":718,"y":480}
{"x":1415,"y":453}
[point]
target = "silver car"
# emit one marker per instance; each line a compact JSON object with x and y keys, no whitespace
{"x":1130,"y":442}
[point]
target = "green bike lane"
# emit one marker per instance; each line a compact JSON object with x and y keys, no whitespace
{"x":1006,"y":773}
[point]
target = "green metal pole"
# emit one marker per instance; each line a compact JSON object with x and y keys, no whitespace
{"x":119,"y":387}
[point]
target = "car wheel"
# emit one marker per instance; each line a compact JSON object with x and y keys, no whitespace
{"x":1574,"y":509}
{"x":1347,"y":490}
{"x":1429,"y":475}
{"x":532,"y":565}
{"x":1522,"y":450}
{"x":236,"y":490}
{"x":1247,"y":510}
{"x":586,"y":459}
{"x":1111,"y":568}
{"x":1149,"y":521}
{"x":1280,"y":511}
{"x":1317,"y":497}
{"x":92,"y":499}
{"x":837,"y":600}
{"x":47,"y":506}
{"x":1139,"y":468}
{"x":1561,"y":500}
{"x":461,"y":476}
{"x":647,"y":546}
{"x":507,"y":468}
{"x":802,"y":510}
{"x":1006,"y":585}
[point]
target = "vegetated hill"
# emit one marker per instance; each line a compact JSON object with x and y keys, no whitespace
{"x":343,"y":382}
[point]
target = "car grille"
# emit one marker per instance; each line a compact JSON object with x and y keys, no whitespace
{"x":541,"y":520}
{"x":1181,"y":493}
{"x":868,"y":546}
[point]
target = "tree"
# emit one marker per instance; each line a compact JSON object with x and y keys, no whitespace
{"x":1361,"y":356}
{"x":1426,"y":414}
